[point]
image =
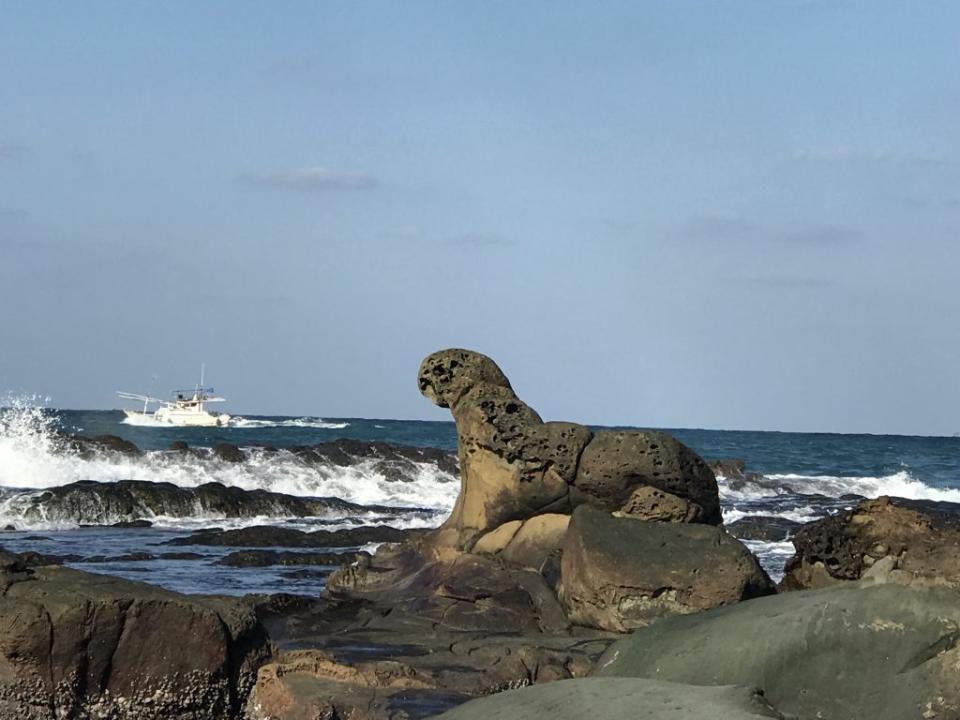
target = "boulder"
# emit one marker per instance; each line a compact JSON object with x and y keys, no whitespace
{"x":922,"y":537}
{"x":617,"y":698}
{"x":884,"y":652}
{"x":617,"y":462}
{"x":78,"y":645}
{"x":654,"y":505}
{"x":618,"y":573}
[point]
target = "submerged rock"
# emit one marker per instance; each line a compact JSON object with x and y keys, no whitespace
{"x":269,"y":536}
{"x":768,"y":528}
{"x":264,"y":558}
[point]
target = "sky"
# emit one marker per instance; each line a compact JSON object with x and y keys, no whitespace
{"x":734,"y":215}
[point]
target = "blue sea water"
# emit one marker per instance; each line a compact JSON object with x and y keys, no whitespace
{"x":798,"y":476}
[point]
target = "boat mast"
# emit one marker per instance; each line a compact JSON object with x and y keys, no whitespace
{"x":200,"y":389}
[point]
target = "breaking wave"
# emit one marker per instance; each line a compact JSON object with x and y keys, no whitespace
{"x":898,"y":484}
{"x":34,"y":455}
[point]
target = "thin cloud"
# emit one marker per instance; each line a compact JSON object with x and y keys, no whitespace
{"x":10,"y":152}
{"x":780,"y":282}
{"x":730,"y":228}
{"x":823,"y":235}
{"x":720,"y":227}
{"x":477,"y":240}
{"x":313,"y":179}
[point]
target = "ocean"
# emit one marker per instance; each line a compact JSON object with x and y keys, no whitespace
{"x":793,"y":476}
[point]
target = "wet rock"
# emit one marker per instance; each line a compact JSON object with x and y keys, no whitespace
{"x":264,"y":558}
{"x":618,"y":573}
{"x":730,"y":468}
{"x":854,"y":650}
{"x":763,"y":527}
{"x":179,"y":446}
{"x":395,"y":462}
{"x":132,"y":501}
{"x":73,"y":644}
{"x":129,"y":557}
{"x":228,"y":453}
{"x":132,"y":524}
{"x":922,"y":537}
{"x":88,"y":447}
{"x":269,"y":536}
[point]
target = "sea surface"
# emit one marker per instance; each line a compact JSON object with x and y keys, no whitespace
{"x":798,"y":476}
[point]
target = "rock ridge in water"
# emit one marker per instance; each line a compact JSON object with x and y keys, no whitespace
{"x":127,"y":501}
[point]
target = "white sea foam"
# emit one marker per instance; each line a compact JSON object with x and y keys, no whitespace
{"x":243,"y":423}
{"x":899,"y":484}
{"x":303,"y":422}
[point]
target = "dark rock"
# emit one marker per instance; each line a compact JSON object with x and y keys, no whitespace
{"x":730,"y":468}
{"x":79,"y":645}
{"x":9,"y":528}
{"x":179,"y":446}
{"x":884,"y":652}
{"x":228,"y":453}
{"x":94,"y":503}
{"x":921,"y":537}
{"x":763,"y":527}
{"x":618,"y":573}
{"x":397,"y":462}
{"x":133,"y":524}
{"x":130,"y":557}
{"x":181,"y":556}
{"x":264,"y":558}
{"x":269,"y":536}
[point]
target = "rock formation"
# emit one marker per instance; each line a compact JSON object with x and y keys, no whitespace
{"x":908,"y":541}
{"x":513,"y":465}
{"x":91,"y":646}
{"x":509,"y":542}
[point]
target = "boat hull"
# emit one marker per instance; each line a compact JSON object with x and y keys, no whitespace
{"x":179,"y":418}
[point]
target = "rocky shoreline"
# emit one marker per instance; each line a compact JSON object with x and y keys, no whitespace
{"x":580,"y":572}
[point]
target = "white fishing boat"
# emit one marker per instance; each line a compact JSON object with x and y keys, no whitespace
{"x":185,"y":410}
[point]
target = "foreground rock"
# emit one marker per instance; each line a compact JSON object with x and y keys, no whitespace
{"x":618,"y":698}
{"x":883,"y":652}
{"x":620,"y":573}
{"x":917,"y":540}
{"x":353,"y":660}
{"x":90,"y":646}
{"x":91,"y":502}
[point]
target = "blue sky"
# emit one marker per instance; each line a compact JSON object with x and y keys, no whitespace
{"x":696,"y":214}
